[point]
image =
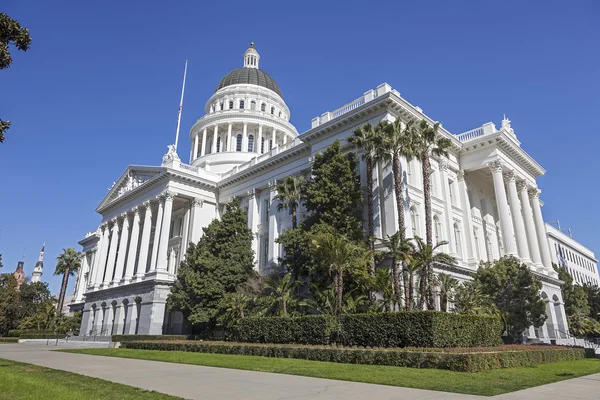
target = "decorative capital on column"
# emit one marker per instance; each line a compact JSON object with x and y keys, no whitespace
{"x":534,"y":193}
{"x":147,"y":204}
{"x":251,"y":193}
{"x":311,"y":160}
{"x":443,"y":165}
{"x":495,"y":166}
{"x":124,"y":216}
{"x":273,"y":185}
{"x":136,"y":210}
{"x":510,"y":176}
{"x":197,"y":202}
{"x":168,"y":195}
{"x":521,"y":185}
{"x":460,"y":175}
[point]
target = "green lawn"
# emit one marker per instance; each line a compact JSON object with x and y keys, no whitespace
{"x":487,"y":383}
{"x":25,"y":381}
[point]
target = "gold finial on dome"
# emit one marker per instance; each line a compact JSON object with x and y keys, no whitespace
{"x":252,"y":44}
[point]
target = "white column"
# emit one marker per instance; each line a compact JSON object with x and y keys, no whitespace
{"x":161,"y":261}
{"x":508,"y":233}
{"x":214,"y":143}
{"x":273,"y":228}
{"x":203,"y":148}
{"x":519,"y":224}
{"x":133,"y":244}
{"x":448,"y":208}
{"x":467,"y":218}
{"x":245,"y":137}
{"x":80,"y":282}
{"x":534,"y":248}
{"x":157,"y":230}
{"x":145,"y":244}
{"x":534,"y":194}
{"x":258,"y":145}
{"x":186,"y":230}
{"x":195,"y":228}
{"x":195,"y":154}
{"x":253,"y":222}
{"x":285,"y":139}
{"x":112,"y":253}
{"x":119,"y":268}
{"x":100,"y":260}
{"x":274,"y":138}
{"x":230,"y":136}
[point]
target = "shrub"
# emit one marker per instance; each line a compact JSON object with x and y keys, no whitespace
{"x":128,"y":338}
{"x":310,"y":329}
{"x":9,"y":340}
{"x":399,"y":329}
{"x":461,"y":360}
{"x":19,"y":332}
{"x":42,"y":336}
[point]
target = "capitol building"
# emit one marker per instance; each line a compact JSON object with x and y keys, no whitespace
{"x":485,"y":200}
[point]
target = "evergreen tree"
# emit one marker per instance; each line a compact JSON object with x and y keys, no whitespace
{"x":220,"y":261}
{"x":577,"y":306}
{"x":515,"y":291}
{"x":17,"y":304}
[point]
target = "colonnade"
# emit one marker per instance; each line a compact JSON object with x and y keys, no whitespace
{"x":521,"y":220}
{"x":224,"y":139}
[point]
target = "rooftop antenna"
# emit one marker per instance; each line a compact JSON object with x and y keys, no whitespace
{"x":180,"y":105}
{"x":23,"y":254}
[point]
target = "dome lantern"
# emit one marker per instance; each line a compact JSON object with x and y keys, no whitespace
{"x":251,"y":57}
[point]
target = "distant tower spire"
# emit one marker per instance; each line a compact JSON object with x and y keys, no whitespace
{"x":251,"y":57}
{"x":38,"y":270}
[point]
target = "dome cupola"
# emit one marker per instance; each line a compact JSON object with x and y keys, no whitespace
{"x":251,"y":57}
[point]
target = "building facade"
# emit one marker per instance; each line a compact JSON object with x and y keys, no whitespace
{"x":485,"y":200}
{"x":578,"y":260}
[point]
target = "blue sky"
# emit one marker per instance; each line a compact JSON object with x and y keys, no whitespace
{"x":100,"y":86}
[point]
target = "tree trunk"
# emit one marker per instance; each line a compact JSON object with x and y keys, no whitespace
{"x":443,"y":302}
{"x":294,"y":218}
{"x":370,"y":208}
{"x":405,"y":283}
{"x":339,"y":289}
{"x":409,"y":295}
{"x":396,"y":281}
{"x":427,"y":290}
{"x":284,"y":305}
{"x":63,"y":290}
{"x":398,"y":189}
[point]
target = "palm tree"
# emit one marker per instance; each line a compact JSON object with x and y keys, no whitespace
{"x":447,"y":283}
{"x":288,"y":195}
{"x":390,"y":146}
{"x":399,"y":250}
{"x":424,"y":256}
{"x":281,"y":290}
{"x":339,"y":255}
{"x":68,"y":264}
{"x":366,"y":138}
{"x":383,"y":284}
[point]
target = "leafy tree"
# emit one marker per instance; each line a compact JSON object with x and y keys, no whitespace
{"x":280,"y":290}
{"x":19,"y":303}
{"x":424,"y":142}
{"x":593,"y":294}
{"x":220,"y":262}
{"x":11,"y":33}
{"x":288,"y":194}
{"x":424,"y":256}
{"x":333,"y":195}
{"x":577,"y":307}
{"x":1,"y":265}
{"x":398,"y":250}
{"x":68,"y":264}
{"x":339,"y":255}
{"x":468,"y":299}
{"x":515,"y":291}
{"x":447,"y":284}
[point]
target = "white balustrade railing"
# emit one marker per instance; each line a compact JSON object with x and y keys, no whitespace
{"x":188,"y":167}
{"x":463,"y":137}
{"x":348,"y":107}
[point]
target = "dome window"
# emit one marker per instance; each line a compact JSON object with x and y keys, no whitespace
{"x":253,"y":105}
{"x":272,"y":110}
{"x":280,"y":114}
{"x":241,"y":104}
{"x":250,"y":143}
{"x":222,"y":106}
{"x":230,"y":104}
{"x":238,"y":146}
{"x":263,"y":107}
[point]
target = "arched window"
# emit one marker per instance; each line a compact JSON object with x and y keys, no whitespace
{"x":263,"y":107}
{"x":241,"y":104}
{"x":253,"y":105}
{"x":230,"y":104}
{"x":414,"y":221}
{"x":272,"y":110}
{"x":437,"y":228}
{"x":280,"y":113}
{"x":262,"y":146}
{"x":222,"y":106}
{"x":238,"y":146}
{"x":457,"y":241}
{"x":218,"y":145}
{"x":250,"y":143}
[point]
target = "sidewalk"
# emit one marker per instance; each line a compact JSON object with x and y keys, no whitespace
{"x":198,"y":382}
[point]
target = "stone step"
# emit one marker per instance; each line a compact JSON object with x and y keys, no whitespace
{"x":61,"y":343}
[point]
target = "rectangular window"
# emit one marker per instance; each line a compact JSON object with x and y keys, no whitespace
{"x":241,"y":104}
{"x":266,"y":211}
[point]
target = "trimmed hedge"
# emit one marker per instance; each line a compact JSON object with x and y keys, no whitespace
{"x":18,"y":332}
{"x":399,"y":329}
{"x":9,"y":340}
{"x":42,"y":336}
{"x":467,"y":361}
{"x":129,"y":338}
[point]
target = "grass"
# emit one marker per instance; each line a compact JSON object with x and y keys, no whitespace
{"x":25,"y":381}
{"x":487,"y":383}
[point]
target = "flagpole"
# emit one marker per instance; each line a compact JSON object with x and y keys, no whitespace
{"x":180,"y":105}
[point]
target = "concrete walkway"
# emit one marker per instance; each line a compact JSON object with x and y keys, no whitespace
{"x":198,"y":382}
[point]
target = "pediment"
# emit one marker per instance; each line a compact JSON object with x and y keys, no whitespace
{"x":133,"y":178}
